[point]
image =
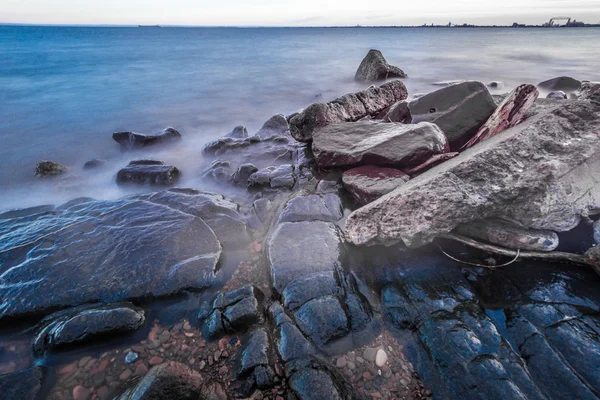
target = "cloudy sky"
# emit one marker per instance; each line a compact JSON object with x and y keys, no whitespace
{"x":294,"y":12}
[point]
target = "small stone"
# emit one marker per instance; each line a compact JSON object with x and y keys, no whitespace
{"x":202,"y":365}
{"x":154,"y":344}
{"x":103,"y":393}
{"x":376,"y":395}
{"x":81,"y":393}
{"x":360,"y":360}
{"x":131,"y":357}
{"x":84,"y":361}
{"x":370,"y":354}
{"x":217,"y":354}
{"x":141,"y":369}
{"x":366,"y":375}
{"x":155,"y":360}
{"x":210,"y":360}
{"x":68,"y":369}
{"x":381,"y":358}
{"x":351,"y":365}
{"x":125,"y":374}
{"x":187,"y":326}
{"x":165,"y":336}
{"x":137,"y":348}
{"x":341,"y":362}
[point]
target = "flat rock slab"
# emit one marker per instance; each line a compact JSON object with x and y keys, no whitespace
{"x":316,"y":207}
{"x":370,"y":182}
{"x":104,"y":251}
{"x":378,"y":143}
{"x":84,"y":323}
{"x":539,"y":174}
{"x":374,"y":67}
{"x":148,"y":174}
{"x":459,"y":110}
{"x":134,"y":140}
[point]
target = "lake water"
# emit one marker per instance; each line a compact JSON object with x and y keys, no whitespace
{"x":64,"y":90}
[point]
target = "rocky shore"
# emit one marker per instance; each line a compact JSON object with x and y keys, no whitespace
{"x":380,"y":245}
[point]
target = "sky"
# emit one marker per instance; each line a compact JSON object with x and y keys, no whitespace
{"x":294,"y":12}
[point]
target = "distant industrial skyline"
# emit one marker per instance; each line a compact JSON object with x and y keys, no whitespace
{"x":295,"y":13}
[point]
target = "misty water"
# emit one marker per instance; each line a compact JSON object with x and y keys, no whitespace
{"x":65,"y":90}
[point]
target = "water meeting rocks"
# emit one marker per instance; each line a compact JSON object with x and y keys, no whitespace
{"x":378,"y":143}
{"x":134,"y":140}
{"x":84,"y":323}
{"x":22,"y":385}
{"x":370,"y":182}
{"x":111,"y":251}
{"x":539,"y":174}
{"x":148,"y":172}
{"x":351,"y":107}
{"x":459,"y":110}
{"x":49,"y":169}
{"x":562,"y":83}
{"x":374,"y":67}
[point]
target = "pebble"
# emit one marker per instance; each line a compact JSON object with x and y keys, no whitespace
{"x":360,"y":360}
{"x":81,"y":393}
{"x":341,"y":362}
{"x":103,"y":393}
{"x":202,"y":365}
{"x":67,"y":369}
{"x":141,"y":369}
{"x":351,"y":365}
{"x":155,"y":360}
{"x":165,"y":336}
{"x":84,"y":361}
{"x":131,"y":357}
{"x":125,"y":375}
{"x":218,"y":354}
{"x":370,"y":353}
{"x":187,"y":326}
{"x":381,"y":358}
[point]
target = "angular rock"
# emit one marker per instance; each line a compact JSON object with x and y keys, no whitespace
{"x":239,"y":132}
{"x":374,"y":67}
{"x":369,"y":182}
{"x":243,"y":314}
{"x":219,"y":171}
{"x":134,"y":140}
{"x":234,"y":311}
{"x":311,"y":378}
{"x":242,"y":174}
{"x":398,"y":112}
{"x":587,"y":90}
{"x":23,"y":385}
{"x":274,"y":177}
{"x":277,"y":125}
{"x":430,"y":163}
{"x":511,"y":112}
{"x":322,"y":319}
{"x":301,"y":291}
{"x":562,"y":83}
{"x":84,"y":323}
{"x":510,"y":236}
{"x":538,"y":174}
{"x":171,"y":380}
{"x":148,"y":174}
{"x":557,"y":95}
{"x":103,"y":251}
{"x":49,"y":169}
{"x":459,"y":110}
{"x":347,"y":108}
{"x":227,"y":144}
{"x":378,"y":143}
{"x":313,"y":208}
{"x":254,"y":353}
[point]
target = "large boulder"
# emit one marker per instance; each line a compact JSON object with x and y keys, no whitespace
{"x":85,"y":323}
{"x":49,"y":169}
{"x":539,"y":174}
{"x":23,"y":385}
{"x":153,"y":173}
{"x":374,"y":67}
{"x":379,"y":143}
{"x":459,"y":110}
{"x":370,"y":182}
{"x":350,"y":107}
{"x":109,"y":251}
{"x":562,"y":83}
{"x":134,"y":140}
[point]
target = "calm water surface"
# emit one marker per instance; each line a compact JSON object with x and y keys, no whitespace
{"x":64,"y":90}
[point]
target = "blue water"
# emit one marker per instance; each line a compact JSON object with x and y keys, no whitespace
{"x":64,"y":90}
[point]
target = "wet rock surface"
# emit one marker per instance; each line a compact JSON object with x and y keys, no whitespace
{"x":234,"y":312}
{"x":148,"y":172}
{"x":370,"y":182}
{"x":84,"y":323}
{"x":112,"y":247}
{"x":134,"y":140}
{"x":374,"y":67}
{"x":459,"y":110}
{"x":379,"y":143}
{"x":525,"y":162}
{"x":23,"y":385}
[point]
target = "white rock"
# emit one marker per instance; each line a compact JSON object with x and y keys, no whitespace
{"x":381,"y":358}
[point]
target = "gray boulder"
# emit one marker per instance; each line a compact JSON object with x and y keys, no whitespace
{"x":374,"y":67}
{"x":370,"y":182}
{"x":562,"y":83}
{"x":539,"y":174}
{"x":276,"y":125}
{"x":351,"y":107}
{"x":107,"y":251}
{"x":509,"y":235}
{"x":49,"y":169}
{"x":134,"y":140}
{"x":459,"y":110}
{"x":148,"y":172}
{"x":84,"y":323}
{"x":240,"y":177}
{"x":379,"y":143}
{"x":239,"y":132}
{"x":557,"y":95}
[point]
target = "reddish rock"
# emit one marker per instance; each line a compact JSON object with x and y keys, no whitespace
{"x":511,"y":112}
{"x":141,"y":369}
{"x":155,"y":360}
{"x":101,"y":367}
{"x":138,"y":348}
{"x":370,"y":182}
{"x":341,"y":362}
{"x":125,"y":374}
{"x":430,"y":163}
{"x":68,"y":369}
{"x":81,"y":393}
{"x":103,"y":393}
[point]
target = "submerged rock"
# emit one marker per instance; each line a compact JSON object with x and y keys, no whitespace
{"x":378,"y":143}
{"x":562,"y":83}
{"x":95,"y":163}
{"x":538,"y":174}
{"x":107,"y":251}
{"x":511,"y":236}
{"x":374,"y":67}
{"x":85,"y":323}
{"x":134,"y":140}
{"x":351,"y":107}
{"x":459,"y":110}
{"x":49,"y":169}
{"x":369,"y":182}
{"x":23,"y":385}
{"x":144,"y":173}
